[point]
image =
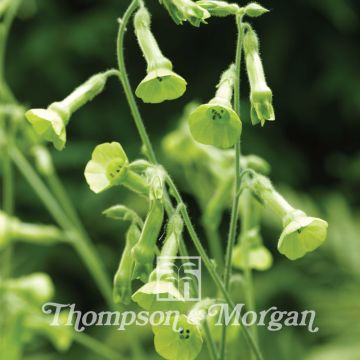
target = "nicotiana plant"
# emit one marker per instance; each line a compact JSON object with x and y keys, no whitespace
{"x":205,"y":146}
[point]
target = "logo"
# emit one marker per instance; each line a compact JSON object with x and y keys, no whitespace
{"x":182,"y":271}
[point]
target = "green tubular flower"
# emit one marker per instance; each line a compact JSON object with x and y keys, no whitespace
{"x":43,"y":161}
{"x":261,"y":94}
{"x":216,"y":123}
{"x":36,"y":288}
{"x":301,"y":234}
{"x":160,"y":83}
{"x":51,"y":123}
{"x":144,"y":250}
{"x":12,"y":229}
{"x":161,"y":284}
{"x":220,"y":8}
{"x":182,"y":343}
{"x":109,"y":167}
{"x":122,"y":279}
{"x":259,"y":257}
{"x":186,"y":10}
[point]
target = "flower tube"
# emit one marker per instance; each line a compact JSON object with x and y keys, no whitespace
{"x":160,"y":83}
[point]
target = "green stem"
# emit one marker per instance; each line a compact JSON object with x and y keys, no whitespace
{"x":96,"y":346}
{"x":83,"y":246}
{"x":235,"y":204}
{"x":126,"y":83}
{"x":210,"y":343}
{"x":173,"y":189}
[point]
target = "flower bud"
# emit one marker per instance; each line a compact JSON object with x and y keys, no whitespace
{"x":255,"y":10}
{"x":109,"y":167}
{"x":51,"y":123}
{"x":43,"y":160}
{"x":160,"y":83}
{"x":260,"y":94}
{"x":144,"y":250}
{"x":219,"y":8}
{"x":216,"y":123}
{"x":122,"y":279}
{"x":186,"y":10}
{"x":37,"y":287}
{"x":12,"y":229}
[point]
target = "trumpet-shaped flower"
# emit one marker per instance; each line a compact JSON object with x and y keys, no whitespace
{"x":108,"y":167}
{"x":301,"y":235}
{"x":216,"y":123}
{"x":259,"y":258}
{"x":186,"y":10}
{"x":160,"y":83}
{"x":179,"y":340}
{"x":51,"y":123}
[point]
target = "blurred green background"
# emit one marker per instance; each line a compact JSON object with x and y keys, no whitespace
{"x":311,"y":55}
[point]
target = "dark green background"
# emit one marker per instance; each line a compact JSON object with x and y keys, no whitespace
{"x":311,"y":57}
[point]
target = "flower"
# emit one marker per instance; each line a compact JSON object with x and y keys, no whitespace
{"x":109,"y":167}
{"x":301,"y":235}
{"x":179,"y":340}
{"x":216,"y":123}
{"x":160,"y":85}
{"x":49,"y":124}
{"x":220,"y":8}
{"x":153,"y":295}
{"x":186,"y":10}
{"x":259,"y":258}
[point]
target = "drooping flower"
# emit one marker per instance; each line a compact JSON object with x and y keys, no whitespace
{"x":216,"y":123}
{"x":220,"y":8}
{"x":160,"y":83}
{"x":301,"y":234}
{"x":50,"y":123}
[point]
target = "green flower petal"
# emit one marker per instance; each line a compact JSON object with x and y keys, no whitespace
{"x":49,"y":125}
{"x":152,"y":297}
{"x":260,"y":258}
{"x":106,"y":167}
{"x":302,"y":235}
{"x":160,"y":85}
{"x":215,"y":124}
{"x":261,"y":105}
{"x":183,"y":344}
